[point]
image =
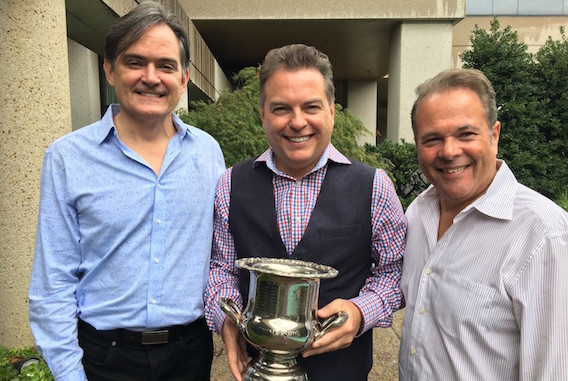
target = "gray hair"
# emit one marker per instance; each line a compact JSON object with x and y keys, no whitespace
{"x":472,"y":79}
{"x":129,"y":28}
{"x":292,"y":58}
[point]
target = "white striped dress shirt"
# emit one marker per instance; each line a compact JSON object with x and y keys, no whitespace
{"x":489,"y":299}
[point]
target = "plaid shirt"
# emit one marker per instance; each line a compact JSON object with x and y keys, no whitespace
{"x":295,"y":200}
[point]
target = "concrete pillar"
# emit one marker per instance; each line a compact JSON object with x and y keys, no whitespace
{"x":84,"y":85}
{"x":35,"y":99}
{"x":362,"y":101}
{"x":419,"y":50}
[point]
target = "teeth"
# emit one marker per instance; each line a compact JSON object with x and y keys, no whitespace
{"x":150,"y":95}
{"x":454,"y":170}
{"x":299,"y":139}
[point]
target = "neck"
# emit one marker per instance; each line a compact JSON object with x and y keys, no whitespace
{"x":140,"y":129}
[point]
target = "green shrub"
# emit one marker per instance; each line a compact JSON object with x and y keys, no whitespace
{"x":233,"y":120}
{"x":532,"y":95}
{"x":408,"y":178}
{"x":563,"y":200}
{"x":33,"y":372}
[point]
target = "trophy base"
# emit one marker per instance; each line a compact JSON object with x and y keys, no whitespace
{"x":274,"y":367}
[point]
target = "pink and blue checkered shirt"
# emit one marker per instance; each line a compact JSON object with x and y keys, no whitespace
{"x":294,"y":202}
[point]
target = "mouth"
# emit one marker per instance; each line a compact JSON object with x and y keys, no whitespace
{"x":453,"y":170}
{"x":298,"y":139}
{"x":151,"y":95}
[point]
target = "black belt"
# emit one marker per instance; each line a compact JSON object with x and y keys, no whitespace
{"x":153,"y":337}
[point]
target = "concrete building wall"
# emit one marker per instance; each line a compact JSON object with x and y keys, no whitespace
{"x":35,"y":99}
{"x":331,"y":9}
{"x":362,"y":101}
{"x":84,"y":85}
{"x":418,"y":51}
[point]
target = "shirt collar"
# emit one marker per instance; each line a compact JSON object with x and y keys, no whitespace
{"x":498,"y":201}
{"x":330,"y":153}
{"x":107,"y":124}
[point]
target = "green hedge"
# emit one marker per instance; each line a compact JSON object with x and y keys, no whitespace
{"x":33,"y":372}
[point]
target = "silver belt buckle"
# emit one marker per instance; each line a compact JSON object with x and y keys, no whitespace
{"x":155,"y":337}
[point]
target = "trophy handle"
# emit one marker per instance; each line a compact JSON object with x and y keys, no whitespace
{"x":232,"y":310}
{"x":335,"y":320}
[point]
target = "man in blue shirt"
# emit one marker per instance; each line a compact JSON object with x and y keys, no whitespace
{"x":125,"y":222}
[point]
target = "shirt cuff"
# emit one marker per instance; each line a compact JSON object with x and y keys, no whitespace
{"x":373,"y":313}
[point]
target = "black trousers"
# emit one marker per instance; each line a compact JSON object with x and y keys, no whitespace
{"x":127,"y":356}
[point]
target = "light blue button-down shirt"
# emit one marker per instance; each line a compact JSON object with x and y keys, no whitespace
{"x":117,"y":245}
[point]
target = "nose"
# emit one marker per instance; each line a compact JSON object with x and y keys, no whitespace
{"x":450,"y":149}
{"x":297,"y":119}
{"x":150,"y":75}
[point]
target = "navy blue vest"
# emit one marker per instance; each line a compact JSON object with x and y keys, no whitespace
{"x":338,"y":235}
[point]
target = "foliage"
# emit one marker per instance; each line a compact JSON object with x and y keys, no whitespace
{"x":234,"y":121}
{"x":33,"y":372}
{"x":409,"y":180}
{"x":563,"y":200}
{"x":551,"y":74}
{"x":532,"y":100}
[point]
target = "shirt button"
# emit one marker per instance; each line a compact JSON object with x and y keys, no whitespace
{"x":298,"y":219}
{"x":422,"y":310}
{"x":153,"y":301}
{"x":158,"y":185}
{"x":413,"y":351}
{"x":158,"y":221}
{"x":156,"y":260}
{"x":428,"y":271}
{"x":299,"y":183}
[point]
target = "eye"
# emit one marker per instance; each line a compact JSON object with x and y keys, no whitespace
{"x":168,"y":67}
{"x":134,"y":63}
{"x":279,"y":110}
{"x":430,"y":141}
{"x":312,"y":109}
{"x":467,"y":135}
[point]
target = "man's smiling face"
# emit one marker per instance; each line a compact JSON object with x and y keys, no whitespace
{"x":148,"y":76}
{"x":297,"y":118}
{"x":456,"y":149}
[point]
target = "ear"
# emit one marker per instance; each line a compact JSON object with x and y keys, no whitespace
{"x":496,"y":132}
{"x":109,"y":72}
{"x":184,"y":79}
{"x":261,"y":112}
{"x":332,"y":111}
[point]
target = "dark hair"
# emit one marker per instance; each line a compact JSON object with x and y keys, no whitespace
{"x":295,"y":57}
{"x":472,"y":79}
{"x":129,"y":28}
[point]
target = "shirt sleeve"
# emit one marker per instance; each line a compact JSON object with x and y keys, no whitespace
{"x":381,"y":296}
{"x":54,"y":278}
{"x":223,"y":279}
{"x":540,"y":303}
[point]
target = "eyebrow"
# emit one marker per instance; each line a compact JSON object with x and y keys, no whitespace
{"x":308,"y":102}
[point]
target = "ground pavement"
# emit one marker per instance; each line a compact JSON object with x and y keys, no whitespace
{"x":385,"y":354}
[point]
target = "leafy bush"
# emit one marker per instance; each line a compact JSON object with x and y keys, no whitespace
{"x":233,"y":120}
{"x":33,"y":372}
{"x":563,"y":200}
{"x":532,"y":94}
{"x":408,"y":178}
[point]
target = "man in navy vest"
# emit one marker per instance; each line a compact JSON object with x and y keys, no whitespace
{"x":303,"y":199}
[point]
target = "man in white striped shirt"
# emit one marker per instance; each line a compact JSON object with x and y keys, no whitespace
{"x":486,"y":257}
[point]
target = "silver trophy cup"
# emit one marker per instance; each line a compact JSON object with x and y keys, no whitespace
{"x":280,"y":319}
